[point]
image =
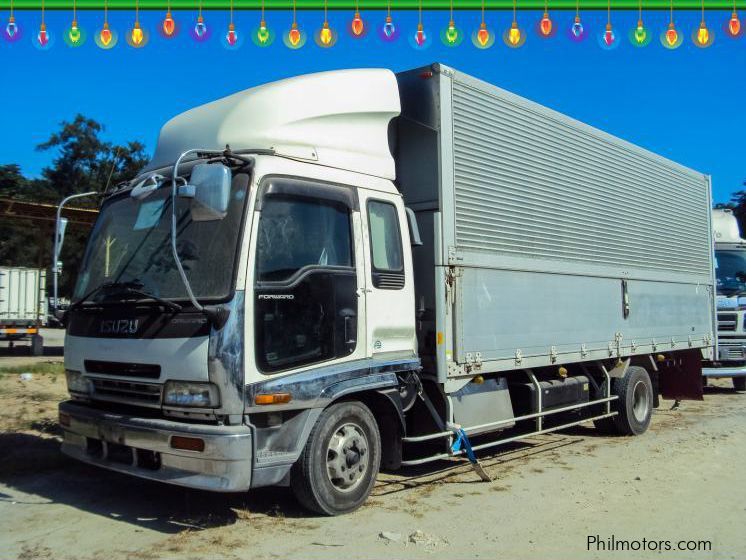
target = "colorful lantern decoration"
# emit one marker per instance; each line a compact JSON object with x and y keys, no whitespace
{"x":43,"y":39}
{"x":514,"y":36}
{"x":451,"y":36}
{"x":545,"y":27}
{"x":702,"y":36}
{"x":106,"y":38}
{"x":231,"y":39}
{"x":357,"y":25}
{"x":639,"y":36}
{"x":168,"y":26}
{"x":326,"y":37}
{"x":608,"y":38}
{"x":733,"y":28}
{"x":388,"y":31}
{"x":263,"y":35}
{"x":483,"y":38}
{"x":576,"y":31}
{"x":74,"y":36}
{"x":670,"y":38}
{"x":12,"y":31}
{"x":200,"y":32}
{"x":137,"y":37}
{"x":420,"y":40}
{"x":294,"y":38}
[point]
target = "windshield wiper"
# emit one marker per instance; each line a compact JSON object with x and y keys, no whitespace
{"x":131,"y":288}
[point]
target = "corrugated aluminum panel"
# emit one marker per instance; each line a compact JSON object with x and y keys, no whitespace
{"x":22,"y":295}
{"x":531,"y":183}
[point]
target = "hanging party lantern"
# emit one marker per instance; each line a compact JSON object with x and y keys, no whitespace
{"x":74,"y":36}
{"x":232,"y":39}
{"x":639,"y":36}
{"x":388,"y":31}
{"x":451,"y":36}
{"x":734,"y":25}
{"x":670,"y":38}
{"x":325,"y":37}
{"x":137,"y":36}
{"x":106,"y":38}
{"x":357,"y":25}
{"x":168,"y":25}
{"x":43,"y":39}
{"x":12,"y":32}
{"x":545,"y":28}
{"x":576,"y":31}
{"x":483,"y":38}
{"x":200,"y":32}
{"x":263,"y":35}
{"x":419,"y":40}
{"x":702,"y":36}
{"x":608,"y":38}
{"x":514,"y":36}
{"x":294,"y":38}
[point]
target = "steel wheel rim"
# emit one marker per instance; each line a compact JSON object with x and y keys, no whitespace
{"x":347,"y":457}
{"x":640,"y":401}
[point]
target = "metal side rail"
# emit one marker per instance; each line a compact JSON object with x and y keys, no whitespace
{"x":536,"y":415}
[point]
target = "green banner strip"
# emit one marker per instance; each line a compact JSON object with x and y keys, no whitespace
{"x":365,"y":5}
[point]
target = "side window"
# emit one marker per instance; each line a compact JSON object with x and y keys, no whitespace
{"x":385,"y":246}
{"x":306,"y":284}
{"x":295,"y":233}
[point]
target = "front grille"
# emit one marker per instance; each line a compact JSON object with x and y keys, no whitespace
{"x":123,"y":369}
{"x":727,"y":321}
{"x":127,"y":392}
{"x":731,"y":351}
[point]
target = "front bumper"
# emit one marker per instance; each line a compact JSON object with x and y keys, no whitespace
{"x":142,"y":447}
{"x":724,"y":371}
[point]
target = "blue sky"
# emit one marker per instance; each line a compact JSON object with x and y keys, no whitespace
{"x":686,"y":104}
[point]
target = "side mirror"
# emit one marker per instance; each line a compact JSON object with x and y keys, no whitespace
{"x":60,"y":233}
{"x":210,"y":184}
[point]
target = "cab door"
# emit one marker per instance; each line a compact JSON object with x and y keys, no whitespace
{"x":389,"y":283}
{"x":306,"y":279}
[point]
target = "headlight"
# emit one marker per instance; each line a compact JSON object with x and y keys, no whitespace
{"x":185,"y":393}
{"x":77,"y":383}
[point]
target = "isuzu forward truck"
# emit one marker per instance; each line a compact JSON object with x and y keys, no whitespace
{"x":356,"y":270}
{"x":730,"y":275}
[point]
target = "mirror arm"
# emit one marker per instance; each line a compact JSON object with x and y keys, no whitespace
{"x":211,"y":315}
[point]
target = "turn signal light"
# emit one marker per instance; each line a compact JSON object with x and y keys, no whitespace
{"x":188,"y":443}
{"x":272,"y":398}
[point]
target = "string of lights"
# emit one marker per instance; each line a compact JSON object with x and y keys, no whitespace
{"x":482,"y":36}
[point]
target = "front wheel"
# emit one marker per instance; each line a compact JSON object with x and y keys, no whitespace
{"x":339,"y":464}
{"x":634,"y":405}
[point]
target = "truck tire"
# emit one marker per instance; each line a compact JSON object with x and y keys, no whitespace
{"x":634,"y":405}
{"x":339,"y":464}
{"x":739,"y":383}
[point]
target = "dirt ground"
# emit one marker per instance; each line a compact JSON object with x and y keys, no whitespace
{"x":682,"y":481}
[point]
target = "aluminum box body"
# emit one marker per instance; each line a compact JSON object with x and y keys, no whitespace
{"x":547,"y":241}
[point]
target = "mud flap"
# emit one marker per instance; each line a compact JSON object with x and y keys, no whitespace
{"x":680,"y":376}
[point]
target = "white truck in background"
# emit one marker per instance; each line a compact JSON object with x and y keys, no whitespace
{"x":730,"y":274}
{"x":23,"y":305}
{"x":352,"y":270}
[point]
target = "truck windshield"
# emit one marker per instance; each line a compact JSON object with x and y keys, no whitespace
{"x":730,"y":270}
{"x":131,"y":243}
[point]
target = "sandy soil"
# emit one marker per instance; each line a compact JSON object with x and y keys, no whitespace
{"x":680,"y":481}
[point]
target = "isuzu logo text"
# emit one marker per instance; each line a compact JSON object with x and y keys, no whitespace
{"x":119,"y":326}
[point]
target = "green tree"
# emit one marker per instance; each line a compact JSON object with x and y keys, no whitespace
{"x":83,"y":162}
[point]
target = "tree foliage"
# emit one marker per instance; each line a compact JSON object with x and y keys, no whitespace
{"x":83,"y":162}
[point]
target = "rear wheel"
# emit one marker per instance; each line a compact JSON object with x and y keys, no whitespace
{"x":739,"y":383}
{"x":634,"y":405}
{"x":338,"y":467}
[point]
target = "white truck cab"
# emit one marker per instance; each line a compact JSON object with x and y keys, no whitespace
{"x":730,"y":272}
